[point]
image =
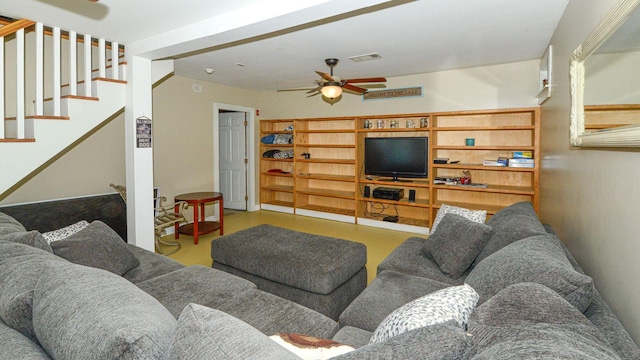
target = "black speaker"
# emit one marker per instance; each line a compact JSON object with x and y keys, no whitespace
{"x":412,"y":196}
{"x":367,"y":191}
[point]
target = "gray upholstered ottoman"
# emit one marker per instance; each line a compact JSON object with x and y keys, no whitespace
{"x":322,"y":273}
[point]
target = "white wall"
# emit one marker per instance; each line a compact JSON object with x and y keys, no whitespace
{"x":591,"y":196}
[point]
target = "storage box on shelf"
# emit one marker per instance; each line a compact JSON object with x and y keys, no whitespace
{"x":412,"y":216}
{"x":276,"y":175}
{"x":329,"y":181}
{"x":496,"y":134}
{"x":325,"y":168}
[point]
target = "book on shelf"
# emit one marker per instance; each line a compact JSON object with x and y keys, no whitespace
{"x":522,"y":155}
{"x":522,"y":163}
{"x":440,"y":160}
{"x":497,"y":162}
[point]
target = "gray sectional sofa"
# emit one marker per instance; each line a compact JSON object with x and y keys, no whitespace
{"x":93,"y":296}
{"x":531,"y":299}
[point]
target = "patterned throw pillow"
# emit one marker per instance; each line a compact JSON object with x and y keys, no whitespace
{"x":65,"y":232}
{"x":452,"y":303}
{"x":478,"y":216}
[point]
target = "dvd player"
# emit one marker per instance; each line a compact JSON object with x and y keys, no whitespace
{"x":388,"y":193}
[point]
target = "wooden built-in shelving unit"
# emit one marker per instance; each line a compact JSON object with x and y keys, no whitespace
{"x":330,"y":183}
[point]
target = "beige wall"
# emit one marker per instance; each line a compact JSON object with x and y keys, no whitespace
{"x":183,"y":132}
{"x":591,"y":196}
{"x":85,"y":169}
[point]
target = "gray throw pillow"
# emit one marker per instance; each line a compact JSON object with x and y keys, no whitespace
{"x":206,"y":333}
{"x":31,"y":238}
{"x":536,"y":259}
{"x":513,"y":223}
{"x":97,"y":246}
{"x":9,"y":225}
{"x":531,"y":321}
{"x":456,"y":243}
{"x":21,"y":267}
{"x":85,"y":313}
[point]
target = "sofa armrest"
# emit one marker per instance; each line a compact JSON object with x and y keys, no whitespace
{"x":407,"y":258}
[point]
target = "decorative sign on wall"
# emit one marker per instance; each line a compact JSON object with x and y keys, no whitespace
{"x":143,"y":132}
{"x":393,"y":93}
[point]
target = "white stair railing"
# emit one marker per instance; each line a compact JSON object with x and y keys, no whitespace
{"x":48,"y":83}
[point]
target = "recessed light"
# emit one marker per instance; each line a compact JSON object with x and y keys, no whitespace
{"x":208,"y":71}
{"x":366,"y":57}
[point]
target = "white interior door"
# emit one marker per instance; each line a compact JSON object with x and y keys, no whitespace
{"x":233,"y":166}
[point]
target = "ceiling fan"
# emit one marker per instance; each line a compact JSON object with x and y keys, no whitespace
{"x":331,"y":86}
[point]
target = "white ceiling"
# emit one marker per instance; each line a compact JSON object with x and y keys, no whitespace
{"x":411,"y":36}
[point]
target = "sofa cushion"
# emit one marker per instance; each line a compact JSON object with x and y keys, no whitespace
{"x":536,"y":259}
{"x":271,"y":314}
{"x":453,"y":303}
{"x":387,"y":292}
{"x":353,"y":336}
{"x":81,"y":312}
{"x":456,"y":243}
{"x":17,"y":346}
{"x":528,"y":320}
{"x":194,"y":284}
{"x":205,"y":333}
{"x":437,"y":342}
{"x":21,"y":267}
{"x":151,"y":265}
{"x":9,"y":225}
{"x":31,"y":238}
{"x":65,"y":232}
{"x":478,"y":216}
{"x":513,"y":223}
{"x":97,"y":246}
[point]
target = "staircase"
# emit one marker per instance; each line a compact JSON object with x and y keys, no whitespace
{"x":58,"y":87}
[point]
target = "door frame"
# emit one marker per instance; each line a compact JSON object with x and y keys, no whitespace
{"x":250,"y":146}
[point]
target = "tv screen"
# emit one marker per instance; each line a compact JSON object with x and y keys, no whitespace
{"x":396,"y":157}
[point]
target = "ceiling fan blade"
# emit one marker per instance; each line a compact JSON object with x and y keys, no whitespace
{"x":300,"y":89}
{"x":366,"y":80}
{"x":317,"y":93}
{"x":314,"y":89}
{"x":325,"y":76}
{"x":355,"y":88}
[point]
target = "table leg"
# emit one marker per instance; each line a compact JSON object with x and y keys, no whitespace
{"x":195,"y":224}
{"x":221,"y":209}
{"x":177,"y":225}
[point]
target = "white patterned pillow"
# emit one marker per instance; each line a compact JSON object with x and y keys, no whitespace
{"x":478,"y":216}
{"x":65,"y":232}
{"x":452,"y":303}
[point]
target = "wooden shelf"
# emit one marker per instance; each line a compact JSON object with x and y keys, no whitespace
{"x":401,"y":202}
{"x":326,"y":209}
{"x":328,"y":193}
{"x":499,"y":189}
{"x":281,"y":188}
{"x":483,"y":128}
{"x":286,"y":204}
{"x":482,"y":167}
{"x":331,"y":182}
{"x":347,"y":178}
{"x":327,"y":161}
{"x":327,"y":146}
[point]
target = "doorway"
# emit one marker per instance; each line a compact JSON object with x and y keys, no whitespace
{"x":234,"y":165}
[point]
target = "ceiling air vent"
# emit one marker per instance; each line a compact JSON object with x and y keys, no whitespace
{"x":366,"y":57}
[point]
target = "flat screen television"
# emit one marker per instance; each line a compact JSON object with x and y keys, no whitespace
{"x":397,"y":157}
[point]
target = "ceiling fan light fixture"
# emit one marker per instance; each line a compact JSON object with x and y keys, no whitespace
{"x":331,"y":90}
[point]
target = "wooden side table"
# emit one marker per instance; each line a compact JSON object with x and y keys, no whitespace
{"x":199,"y":225}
